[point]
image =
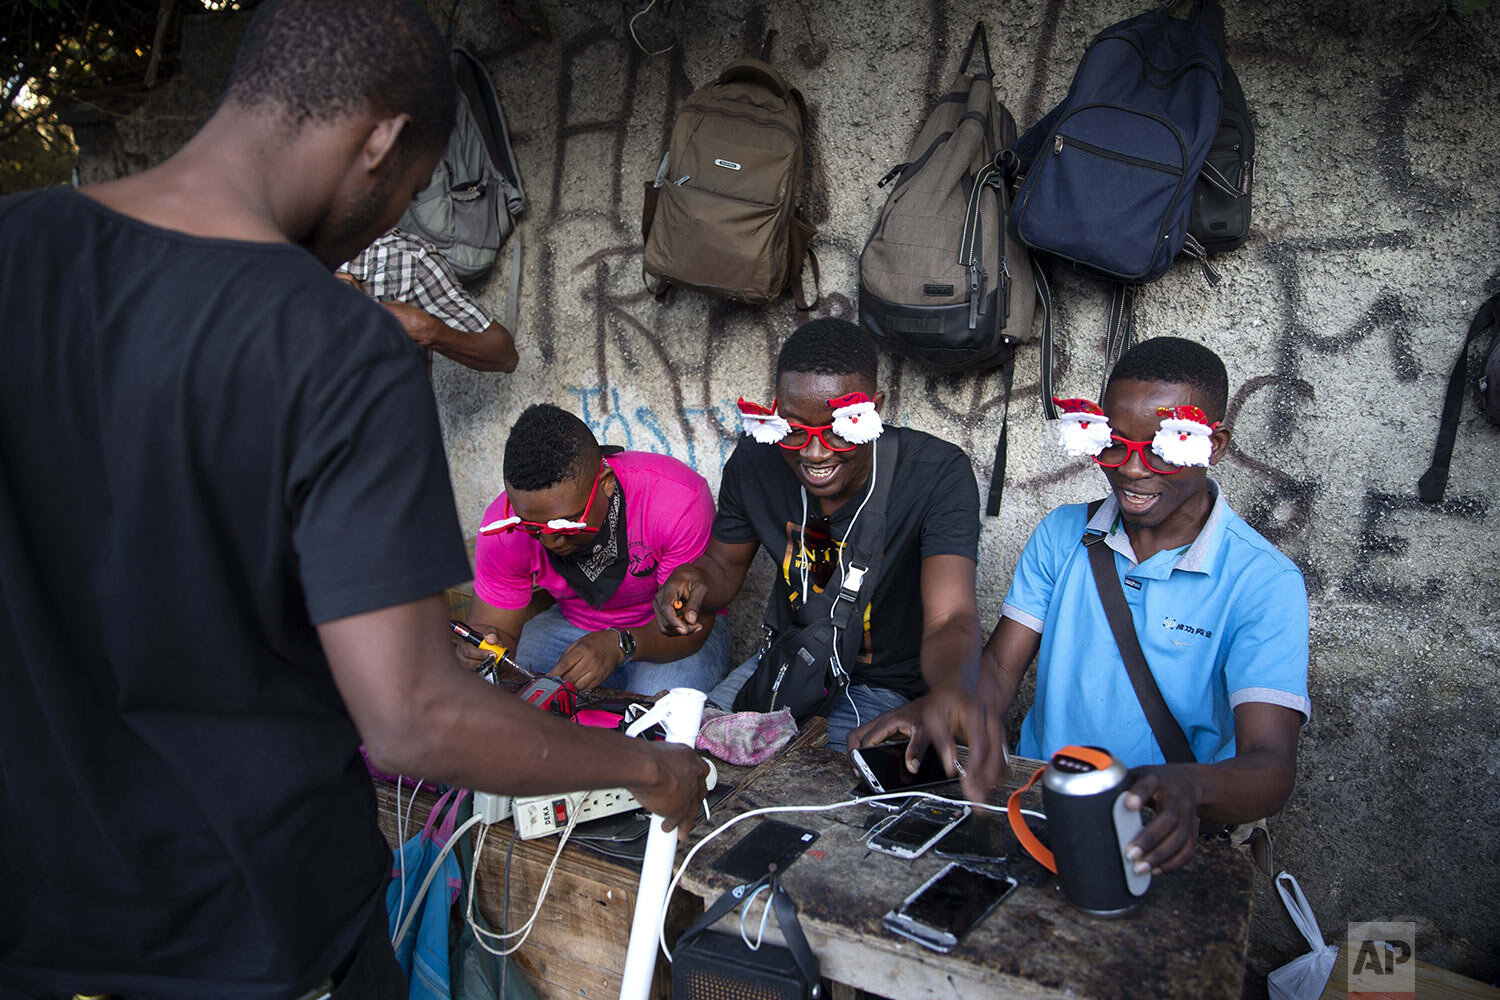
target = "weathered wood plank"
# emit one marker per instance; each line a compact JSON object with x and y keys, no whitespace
{"x":1433,"y":983}
{"x":1186,"y":940}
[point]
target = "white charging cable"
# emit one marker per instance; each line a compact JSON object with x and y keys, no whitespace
{"x":765,"y":913}
{"x":524,"y":931}
{"x":768,"y":810}
{"x":403,"y":823}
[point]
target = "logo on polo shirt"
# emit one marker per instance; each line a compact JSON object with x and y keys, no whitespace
{"x":1173,"y":625}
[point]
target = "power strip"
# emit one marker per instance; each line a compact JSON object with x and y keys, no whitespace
{"x":543,"y":815}
{"x":491,"y":808}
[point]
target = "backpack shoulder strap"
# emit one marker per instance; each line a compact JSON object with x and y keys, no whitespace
{"x":1434,"y":481}
{"x":997,"y":471}
{"x":1164,"y":726}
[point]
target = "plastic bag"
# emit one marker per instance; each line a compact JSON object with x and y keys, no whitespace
{"x":1304,"y":977}
{"x":423,"y":950}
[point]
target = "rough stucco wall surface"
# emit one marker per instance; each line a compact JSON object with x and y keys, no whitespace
{"x":1377,"y":235}
{"x":1377,"y":230}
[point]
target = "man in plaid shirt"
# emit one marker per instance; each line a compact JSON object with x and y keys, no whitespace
{"x":410,"y":278}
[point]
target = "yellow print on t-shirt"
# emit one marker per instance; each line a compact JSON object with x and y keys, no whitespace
{"x":813,"y":548}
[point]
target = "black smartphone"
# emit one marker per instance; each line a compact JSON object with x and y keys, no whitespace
{"x":770,"y":842}
{"x":883,"y":768}
{"x":980,"y":839}
{"x":947,"y":906}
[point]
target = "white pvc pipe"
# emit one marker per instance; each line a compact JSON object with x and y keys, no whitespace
{"x":680,"y":712}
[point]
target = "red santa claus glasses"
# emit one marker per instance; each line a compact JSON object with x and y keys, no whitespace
{"x":1119,"y":450}
{"x":1185,"y":437}
{"x":855,"y":422}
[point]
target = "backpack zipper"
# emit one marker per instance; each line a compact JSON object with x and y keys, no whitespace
{"x":729,"y":197}
{"x":1109,"y":154}
{"x":776,"y":685}
{"x":704,"y":109}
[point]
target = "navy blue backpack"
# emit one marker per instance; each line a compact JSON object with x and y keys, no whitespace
{"x":1109,"y":173}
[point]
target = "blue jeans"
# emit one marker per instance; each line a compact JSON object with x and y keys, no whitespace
{"x":545,"y":637}
{"x":859,"y":704}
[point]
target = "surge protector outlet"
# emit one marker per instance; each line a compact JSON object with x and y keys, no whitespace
{"x":491,"y":808}
{"x":542,"y":815}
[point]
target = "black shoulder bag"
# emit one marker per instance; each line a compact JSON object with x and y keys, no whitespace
{"x":797,"y":667}
{"x":1164,"y":726}
{"x":722,"y":967}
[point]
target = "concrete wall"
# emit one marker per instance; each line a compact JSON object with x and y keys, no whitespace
{"x":1377,"y":230}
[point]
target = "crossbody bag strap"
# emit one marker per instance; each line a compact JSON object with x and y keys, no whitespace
{"x":1169,"y":736}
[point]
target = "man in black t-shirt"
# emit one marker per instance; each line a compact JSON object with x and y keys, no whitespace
{"x":225,"y":525}
{"x":795,"y":487}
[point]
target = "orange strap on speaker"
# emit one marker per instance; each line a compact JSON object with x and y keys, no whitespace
{"x":1023,"y":832}
{"x":1018,"y":825}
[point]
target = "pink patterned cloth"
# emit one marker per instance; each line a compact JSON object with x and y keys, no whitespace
{"x":745,"y":738}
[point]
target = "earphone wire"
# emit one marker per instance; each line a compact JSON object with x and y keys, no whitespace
{"x":802,"y":538}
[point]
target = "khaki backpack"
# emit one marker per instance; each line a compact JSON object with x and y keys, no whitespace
{"x":942,"y":280}
{"x":721,"y":217}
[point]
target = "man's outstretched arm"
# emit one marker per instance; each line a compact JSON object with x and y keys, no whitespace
{"x":702,"y":586}
{"x":421,"y":713}
{"x":1252,"y":784}
{"x":1003,"y":662}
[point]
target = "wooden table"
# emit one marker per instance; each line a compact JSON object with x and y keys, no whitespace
{"x":577,"y":947}
{"x":1186,"y":939}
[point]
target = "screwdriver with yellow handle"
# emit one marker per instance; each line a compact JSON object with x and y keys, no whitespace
{"x":476,"y":639}
{"x":547,"y":693}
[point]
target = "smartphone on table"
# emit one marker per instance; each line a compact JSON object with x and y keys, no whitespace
{"x":982,"y":839}
{"x":909,"y":833}
{"x":883,"y":768}
{"x":947,"y":906}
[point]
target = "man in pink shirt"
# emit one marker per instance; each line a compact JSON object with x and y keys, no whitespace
{"x":600,"y":530}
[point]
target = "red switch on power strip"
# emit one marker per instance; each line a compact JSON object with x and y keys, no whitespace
{"x":560,"y":812}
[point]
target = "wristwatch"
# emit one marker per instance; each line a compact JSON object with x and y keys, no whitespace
{"x":627,"y":644}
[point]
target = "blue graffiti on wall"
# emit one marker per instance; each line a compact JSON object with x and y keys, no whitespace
{"x":641,"y":429}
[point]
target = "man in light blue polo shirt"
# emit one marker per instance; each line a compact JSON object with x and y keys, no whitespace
{"x":1221,"y":615}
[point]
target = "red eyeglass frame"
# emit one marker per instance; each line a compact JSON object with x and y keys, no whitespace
{"x":535,"y":528}
{"x":812,"y":432}
{"x":1143,"y":447}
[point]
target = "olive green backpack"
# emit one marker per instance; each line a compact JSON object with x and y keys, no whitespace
{"x":721,"y":215}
